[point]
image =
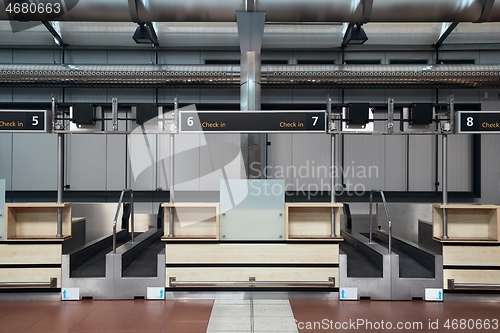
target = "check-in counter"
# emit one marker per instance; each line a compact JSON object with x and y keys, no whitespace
{"x":31,"y":253}
{"x":198,"y":252}
{"x":471,"y":253}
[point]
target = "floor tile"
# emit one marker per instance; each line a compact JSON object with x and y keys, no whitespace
{"x":195,"y":311}
{"x":232,"y":302}
{"x":272,"y":310}
{"x":232,"y":324}
{"x":218,"y":331}
{"x":185,"y":327}
{"x":278,"y":324}
{"x":230,"y":311}
{"x":142,"y":323}
{"x":271,"y":302}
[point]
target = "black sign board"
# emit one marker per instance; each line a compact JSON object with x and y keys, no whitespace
{"x":23,"y":121}
{"x":253,"y":121}
{"x":478,"y":122}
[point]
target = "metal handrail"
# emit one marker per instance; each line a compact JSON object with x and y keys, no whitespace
{"x":453,"y":285}
{"x":51,"y":284}
{"x":251,"y":283}
{"x":386,"y":213}
{"x":118,"y":212}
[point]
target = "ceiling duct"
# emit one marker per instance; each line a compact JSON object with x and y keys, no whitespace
{"x":276,"y":11}
{"x":273,"y":76}
{"x":382,"y":76}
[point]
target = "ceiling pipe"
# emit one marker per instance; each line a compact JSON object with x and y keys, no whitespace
{"x":273,"y":76}
{"x":276,"y":10}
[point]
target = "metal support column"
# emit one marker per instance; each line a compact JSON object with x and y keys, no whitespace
{"x":60,"y":168}
{"x":172,"y":174}
{"x":445,"y":185}
{"x":60,"y":182}
{"x":114,"y":113}
{"x":333,"y":166}
{"x":250,"y":32}
{"x":447,"y":128}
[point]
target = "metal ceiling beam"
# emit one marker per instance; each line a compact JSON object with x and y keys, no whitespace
{"x":367,"y":10}
{"x":154,"y":36}
{"x":280,"y":10}
{"x":444,"y":34}
{"x":132,"y":7}
{"x":56,"y":34}
{"x":347,"y":33}
{"x":487,"y":9}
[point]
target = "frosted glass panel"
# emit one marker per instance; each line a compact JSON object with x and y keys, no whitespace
{"x":252,"y":209}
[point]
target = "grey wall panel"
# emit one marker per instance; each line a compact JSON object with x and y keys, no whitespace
{"x":364,"y":162}
{"x":411,"y":96}
{"x":163,"y":161}
{"x":311,"y":161}
{"x":6,"y":159}
{"x":395,"y":163}
{"x":459,"y":163}
{"x":280,"y":155}
{"x":180,"y":58}
{"x":421,"y":163}
{"x":329,"y":56}
{"x":490,"y":162}
{"x":219,"y":55}
{"x":365,"y":56}
{"x":462,"y":55}
{"x":429,"y":56}
{"x":185,"y":95}
{"x":490,"y":99}
{"x":116,"y":161}
{"x":86,"y":95}
{"x":86,"y":56}
{"x":490,"y":170}
{"x":6,"y":56}
{"x":187,"y":162}
{"x":142,"y":161}
{"x":461,"y":95}
{"x":219,"y":95}
{"x":132,"y":95}
{"x":6,"y":94}
{"x":276,"y":56}
{"x":27,"y":56}
{"x":277,"y":96}
{"x":367,"y":96}
{"x":489,"y":57}
{"x":34,"y":161}
{"x":132,"y":57}
{"x":219,"y":160}
{"x":86,"y":159}
{"x":308,"y":96}
{"x":34,"y":94}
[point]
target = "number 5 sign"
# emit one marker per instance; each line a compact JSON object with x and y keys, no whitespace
{"x":24,"y":121}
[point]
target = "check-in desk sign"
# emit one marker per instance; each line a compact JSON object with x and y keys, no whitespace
{"x":25,"y":121}
{"x":253,"y":121}
{"x":480,"y":122}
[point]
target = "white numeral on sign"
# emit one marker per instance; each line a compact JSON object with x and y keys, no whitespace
{"x":190,"y":121}
{"x":315,"y":120}
{"x":34,"y":120}
{"x":470,"y":121}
